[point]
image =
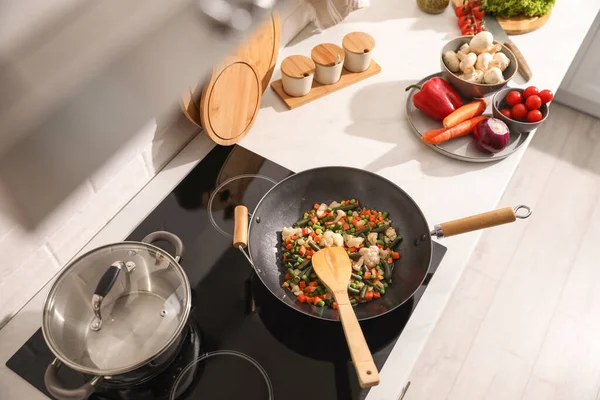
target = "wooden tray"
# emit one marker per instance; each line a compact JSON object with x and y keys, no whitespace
{"x":517,"y":25}
{"x":318,"y":90}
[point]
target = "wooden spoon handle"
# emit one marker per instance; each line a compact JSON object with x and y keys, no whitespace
{"x":359,"y":350}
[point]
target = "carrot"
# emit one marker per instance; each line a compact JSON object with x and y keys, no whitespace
{"x":314,"y":220}
{"x":369,"y":295}
{"x":427,"y":136}
{"x":302,"y":250}
{"x":464,"y":113}
{"x":288,"y":277}
{"x":334,"y":305}
{"x":289,"y":246}
{"x":301,"y":298}
{"x":295,"y":237}
{"x":304,"y":231}
{"x":367,"y":275}
{"x":395,"y":255}
{"x":302,"y":284}
{"x":313,"y":284}
{"x":316,"y":206}
{"x":346,"y":227}
{"x":464,"y":128}
{"x":389,"y":260}
{"x":376,"y":295}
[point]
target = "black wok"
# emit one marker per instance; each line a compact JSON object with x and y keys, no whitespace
{"x":285,"y":203}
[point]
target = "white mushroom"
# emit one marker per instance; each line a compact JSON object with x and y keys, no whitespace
{"x":481,"y":42}
{"x":483,"y":61}
{"x":468,"y":61}
{"x":500,"y":60}
{"x":463,"y":51}
{"x":493,"y":75}
{"x":494,"y":49}
{"x":472,"y":75}
{"x":451,"y":61}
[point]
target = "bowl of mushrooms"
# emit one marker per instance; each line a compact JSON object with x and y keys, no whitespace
{"x":477,"y":65}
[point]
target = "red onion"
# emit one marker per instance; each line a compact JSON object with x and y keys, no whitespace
{"x":491,"y":135}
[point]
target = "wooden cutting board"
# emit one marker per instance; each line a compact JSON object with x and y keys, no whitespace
{"x":230,"y":101}
{"x":517,"y":25}
{"x":262,"y":48}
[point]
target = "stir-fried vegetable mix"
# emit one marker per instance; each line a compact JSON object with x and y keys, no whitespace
{"x":368,"y":237}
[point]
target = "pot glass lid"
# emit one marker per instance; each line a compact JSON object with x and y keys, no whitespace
{"x":116,"y":308}
{"x":225,"y":375}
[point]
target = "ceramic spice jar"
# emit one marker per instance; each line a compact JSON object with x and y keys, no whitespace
{"x":297,"y":75}
{"x":329,"y":60}
{"x":358,"y":49}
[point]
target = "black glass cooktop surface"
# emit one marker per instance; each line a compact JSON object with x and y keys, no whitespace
{"x":302,"y":357}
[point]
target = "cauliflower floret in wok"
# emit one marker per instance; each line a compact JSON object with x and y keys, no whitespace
{"x":370,"y":255}
{"x":331,"y":239}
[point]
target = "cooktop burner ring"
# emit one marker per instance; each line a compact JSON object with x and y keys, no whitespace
{"x":217,"y":190}
{"x":204,"y":357}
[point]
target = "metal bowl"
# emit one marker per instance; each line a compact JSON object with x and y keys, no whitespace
{"x":498,"y":104}
{"x":477,"y":90}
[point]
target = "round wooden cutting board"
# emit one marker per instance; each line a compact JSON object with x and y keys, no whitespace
{"x":230,"y":101}
{"x":262,"y":48}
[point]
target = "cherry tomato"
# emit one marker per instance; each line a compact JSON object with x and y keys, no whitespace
{"x":478,"y":12}
{"x":546,"y":96}
{"x":519,"y":112}
{"x":468,"y":30}
{"x":533,"y":102}
{"x":534,"y":116}
{"x":530,"y":91}
{"x":463,"y":10}
{"x":462,"y":21}
{"x":507,"y":113}
{"x":513,"y":98}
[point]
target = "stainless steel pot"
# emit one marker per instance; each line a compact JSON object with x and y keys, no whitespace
{"x":114,"y":310}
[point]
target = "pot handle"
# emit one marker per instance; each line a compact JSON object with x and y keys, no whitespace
{"x":106,"y":282}
{"x":57,"y":390}
{"x":480,"y":221}
{"x":240,"y":228}
{"x":167,"y":237}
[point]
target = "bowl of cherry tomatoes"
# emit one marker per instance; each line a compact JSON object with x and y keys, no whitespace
{"x":523,"y":110}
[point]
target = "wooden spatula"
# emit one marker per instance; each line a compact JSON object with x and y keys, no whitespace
{"x":332,"y":266}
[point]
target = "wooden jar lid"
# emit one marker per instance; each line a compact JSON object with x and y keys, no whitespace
{"x":231,"y":100}
{"x":297,"y":66}
{"x":358,"y":42}
{"x":325,"y":54}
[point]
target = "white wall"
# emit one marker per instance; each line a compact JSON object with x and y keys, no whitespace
{"x":31,"y":259}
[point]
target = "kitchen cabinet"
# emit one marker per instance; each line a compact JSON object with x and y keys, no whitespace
{"x":581,"y":87}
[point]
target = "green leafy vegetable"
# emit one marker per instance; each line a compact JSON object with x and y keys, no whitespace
{"x":511,"y":8}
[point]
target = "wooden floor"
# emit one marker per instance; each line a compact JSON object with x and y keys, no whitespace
{"x":524,"y":320}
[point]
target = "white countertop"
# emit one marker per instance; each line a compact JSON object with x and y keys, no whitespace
{"x":364,"y":126}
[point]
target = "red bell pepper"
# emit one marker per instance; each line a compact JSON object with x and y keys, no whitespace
{"x":436,"y":98}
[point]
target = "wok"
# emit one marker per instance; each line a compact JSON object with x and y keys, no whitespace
{"x":285,"y":203}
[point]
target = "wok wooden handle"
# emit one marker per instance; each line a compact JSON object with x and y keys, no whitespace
{"x":476,"y":222}
{"x":524,"y":69}
{"x":240,"y":227}
{"x":359,"y":350}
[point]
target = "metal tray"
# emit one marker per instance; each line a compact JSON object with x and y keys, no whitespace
{"x":461,"y":148}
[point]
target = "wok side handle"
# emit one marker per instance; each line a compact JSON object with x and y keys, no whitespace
{"x":240,"y":228}
{"x":480,"y":221}
{"x":366,"y":370}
